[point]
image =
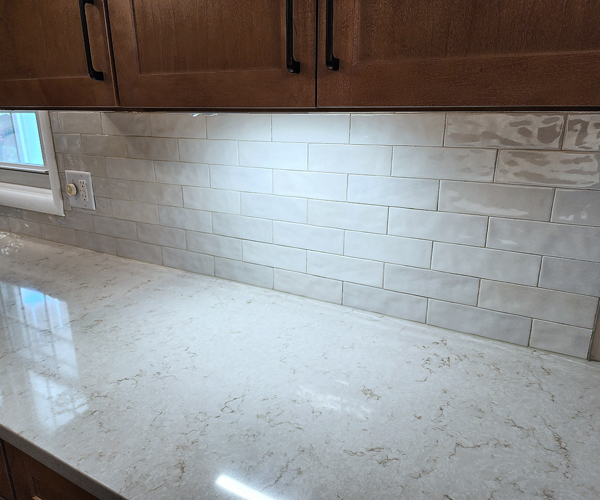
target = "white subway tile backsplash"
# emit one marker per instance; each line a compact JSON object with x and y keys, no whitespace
{"x":96,"y":242}
{"x":314,"y":185}
{"x":125,"y":168}
{"x":75,"y":220}
{"x":254,"y":180}
{"x":398,"y":129}
{"x":583,"y":132}
{"x":70,"y":143}
{"x":279,"y":155}
{"x":388,"y":249}
{"x":115,"y":227}
{"x":549,"y":168}
{"x":519,"y":202}
{"x":162,"y":194}
{"x":95,"y":165}
{"x":550,"y":305}
{"x":135,"y":211}
{"x":103,"y":207}
{"x":58,"y":234}
{"x":577,"y":207}
{"x":354,"y":216}
{"x":544,"y":238}
{"x":160,"y":235}
{"x":444,"y":163}
{"x":80,"y":122}
{"x":386,"y":302}
{"x":139,"y":251}
{"x":343,"y":158}
{"x":575,"y":276}
{"x":208,"y":151}
{"x":103,"y":145}
{"x":189,"y":261}
{"x":25,"y":227}
{"x":504,"y":130}
{"x":4,"y":225}
{"x":248,"y":228}
{"x":308,"y":286}
{"x":243,"y":271}
{"x":491,"y":324}
{"x":395,"y":192}
{"x":117,"y":189}
{"x":179,"y":125}
{"x":434,"y":284}
{"x":194,"y":220}
{"x":320,"y":239}
{"x":137,"y":124}
{"x":314,"y":127}
{"x":184,"y":174}
{"x":564,"y":339}
{"x":360,"y":271}
{"x":240,"y":127}
{"x":292,"y":259}
{"x":281,"y":208}
{"x":450,"y":228}
{"x":152,"y":148}
{"x":214,"y":200}
{"x":211,"y":244}
{"x":54,"y":121}
{"x":485,"y":263}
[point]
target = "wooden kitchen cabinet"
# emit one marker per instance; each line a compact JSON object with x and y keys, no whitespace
{"x":214,"y":53}
{"x":34,"y":481}
{"x":5,"y":486}
{"x":43,"y":55}
{"x":459,"y":53}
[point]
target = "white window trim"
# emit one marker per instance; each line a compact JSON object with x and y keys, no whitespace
{"x":47,"y":201}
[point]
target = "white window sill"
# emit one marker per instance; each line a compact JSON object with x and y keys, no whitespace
{"x":31,"y":198}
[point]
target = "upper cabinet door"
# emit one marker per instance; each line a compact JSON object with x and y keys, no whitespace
{"x":458,"y":53}
{"x":46,"y":60}
{"x":214,"y":53}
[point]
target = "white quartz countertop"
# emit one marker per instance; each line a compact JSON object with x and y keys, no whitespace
{"x":161,"y":384}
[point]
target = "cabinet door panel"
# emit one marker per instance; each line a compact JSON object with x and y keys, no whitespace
{"x":43,"y":61}
{"x":461,"y":53}
{"x":34,"y":481}
{"x":212,"y":53}
{"x":5,"y":487}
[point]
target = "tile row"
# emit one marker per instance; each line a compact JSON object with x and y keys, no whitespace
{"x":577,"y":131}
{"x":126,"y":179}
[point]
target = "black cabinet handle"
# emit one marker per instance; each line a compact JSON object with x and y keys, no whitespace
{"x":94,"y":75}
{"x":293,"y":66}
{"x":332,"y":62}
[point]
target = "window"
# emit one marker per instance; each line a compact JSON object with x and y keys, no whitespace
{"x":28,"y":173}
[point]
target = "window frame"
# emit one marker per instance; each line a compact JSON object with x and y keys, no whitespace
{"x":37,"y":199}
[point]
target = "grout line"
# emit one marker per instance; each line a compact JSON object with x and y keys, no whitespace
{"x":496,"y":165}
{"x":563,"y":134}
{"x":445,"y":129}
{"x":553,"y":206}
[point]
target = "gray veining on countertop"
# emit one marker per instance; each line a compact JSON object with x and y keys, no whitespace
{"x":161,"y":384}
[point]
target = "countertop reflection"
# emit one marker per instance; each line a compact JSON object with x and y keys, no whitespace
{"x":157,"y":383}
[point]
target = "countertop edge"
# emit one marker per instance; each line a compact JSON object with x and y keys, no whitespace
{"x":79,"y":478}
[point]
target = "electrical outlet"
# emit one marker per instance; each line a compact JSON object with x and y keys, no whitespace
{"x":80,"y":190}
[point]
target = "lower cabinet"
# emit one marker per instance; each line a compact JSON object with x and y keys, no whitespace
{"x":33,"y":481}
{"x":5,"y":486}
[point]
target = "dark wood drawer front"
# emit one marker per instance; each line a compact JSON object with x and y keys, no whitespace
{"x":34,"y":481}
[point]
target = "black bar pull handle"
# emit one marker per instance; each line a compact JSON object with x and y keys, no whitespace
{"x":94,"y":75}
{"x":293,"y":66}
{"x":332,"y":62}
